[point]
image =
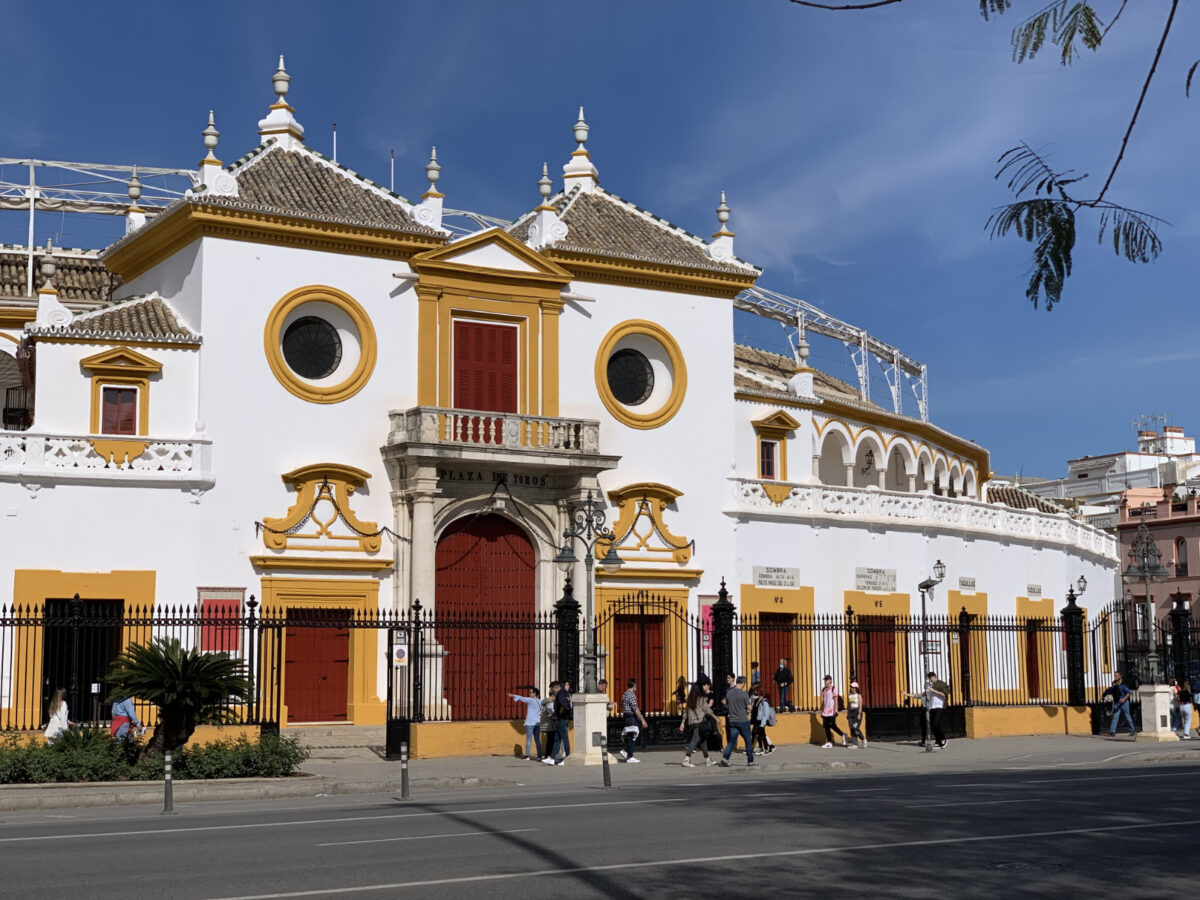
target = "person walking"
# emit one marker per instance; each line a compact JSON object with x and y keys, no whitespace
{"x":737,"y":701}
{"x":936,"y":696}
{"x":533,"y":720}
{"x":854,"y":715}
{"x":1121,"y":699}
{"x":783,"y":678}
{"x":1185,"y":710}
{"x":564,"y":715}
{"x":699,"y":717}
{"x":124,"y":719}
{"x":60,"y":720}
{"x":755,"y":675}
{"x":1176,"y":719}
{"x":829,"y":713}
{"x":633,"y":716}
{"x":549,"y":726}
{"x":761,"y":717}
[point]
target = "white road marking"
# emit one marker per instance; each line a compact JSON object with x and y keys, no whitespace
{"x":860,"y":790}
{"x":995,"y":784}
{"x":425,"y":837}
{"x":420,"y":815}
{"x":976,"y":803}
{"x":708,"y":860}
{"x":1115,"y":776}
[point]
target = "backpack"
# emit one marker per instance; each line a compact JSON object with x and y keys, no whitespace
{"x":772,"y":721}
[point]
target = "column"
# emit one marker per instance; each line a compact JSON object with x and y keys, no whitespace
{"x":423,"y":489}
{"x":849,"y":474}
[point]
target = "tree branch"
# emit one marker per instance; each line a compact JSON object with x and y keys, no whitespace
{"x":1141,"y":98}
{"x":1114,"y":19}
{"x":871,"y":5}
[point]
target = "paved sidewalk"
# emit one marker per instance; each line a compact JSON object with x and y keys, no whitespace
{"x":344,"y":763}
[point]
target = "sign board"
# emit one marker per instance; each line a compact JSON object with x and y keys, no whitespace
{"x":932,"y":648}
{"x":776,"y":577}
{"x":706,"y":626}
{"x":966,"y":585}
{"x":875,"y":580}
{"x":1033,"y":590}
{"x":400,"y":652}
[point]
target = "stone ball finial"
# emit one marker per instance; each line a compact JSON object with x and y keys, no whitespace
{"x":723,"y":210}
{"x":210,"y":134}
{"x":581,"y":129}
{"x":803,"y":351}
{"x":49,"y":266}
{"x":545,"y":185}
{"x":134,"y":187}
{"x":281,"y":79}
{"x":432,"y":170}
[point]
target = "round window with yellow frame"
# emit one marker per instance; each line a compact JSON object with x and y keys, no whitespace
{"x":320,"y":344}
{"x":640,"y":374}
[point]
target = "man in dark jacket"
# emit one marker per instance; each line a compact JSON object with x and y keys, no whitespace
{"x":1121,"y":698}
{"x":783,"y":678}
{"x":564,"y":715}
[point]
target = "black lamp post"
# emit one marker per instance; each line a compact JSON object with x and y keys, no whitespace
{"x":926,"y":588}
{"x":587,"y":527}
{"x":1072,"y":617}
{"x":1145,"y":565}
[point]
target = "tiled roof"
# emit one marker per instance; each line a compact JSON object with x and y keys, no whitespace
{"x":77,"y":277}
{"x":302,"y":183}
{"x":774,"y":372}
{"x":602,"y":224}
{"x":139,"y":318}
{"x":1011,"y":495}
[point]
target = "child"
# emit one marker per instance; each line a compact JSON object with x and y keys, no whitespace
{"x":854,"y":712}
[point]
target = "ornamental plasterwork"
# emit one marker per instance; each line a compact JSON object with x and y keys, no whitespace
{"x":321,"y":518}
{"x":642,"y":536}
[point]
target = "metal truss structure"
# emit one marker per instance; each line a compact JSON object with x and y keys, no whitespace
{"x":477,"y":220}
{"x":898,"y":368}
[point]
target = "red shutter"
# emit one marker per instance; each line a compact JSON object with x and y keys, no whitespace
{"x":220,"y":625}
{"x":119,"y":411}
{"x":485,"y":366}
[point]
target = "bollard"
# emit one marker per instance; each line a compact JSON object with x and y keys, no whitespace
{"x":168,"y":795}
{"x":404,"y":795}
{"x":607,"y":770}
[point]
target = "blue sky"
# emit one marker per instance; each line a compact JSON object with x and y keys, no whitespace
{"x":856,"y":149}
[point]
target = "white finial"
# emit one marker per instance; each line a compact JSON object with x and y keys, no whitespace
{"x":429,"y":210}
{"x":546,"y":227}
{"x":723,"y":212}
{"x":545,"y":185}
{"x":50,"y":311}
{"x":580,"y":171}
{"x":134,"y":187}
{"x":721,"y":248}
{"x":49,"y":267}
{"x":281,"y":81}
{"x":135,"y":216}
{"x":433,"y":171}
{"x":280,"y":124}
{"x":210,"y":140}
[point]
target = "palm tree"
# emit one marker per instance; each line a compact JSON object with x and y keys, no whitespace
{"x":189,"y":688}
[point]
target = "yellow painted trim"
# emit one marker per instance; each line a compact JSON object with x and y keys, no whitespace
{"x":641,"y":573}
{"x":655,"y":276}
{"x":442,"y":259}
{"x":16,"y":318}
{"x":32,"y":588}
{"x":679,"y":374}
{"x":775,"y":428}
{"x":515,"y":313}
{"x":800,"y":602}
{"x":9,"y":337}
{"x":332,"y":482}
{"x":120,"y":361}
{"x":120,"y":367}
{"x":1006,"y":721}
{"x":1043,"y":609}
{"x":898,"y":605}
{"x":120,"y":451}
{"x":172,"y":232}
{"x":674,"y":651}
{"x":320,"y":563}
{"x":273,"y":344}
{"x":99,"y":383}
{"x":777,"y":492}
{"x":364,"y":706}
{"x":628,"y":501}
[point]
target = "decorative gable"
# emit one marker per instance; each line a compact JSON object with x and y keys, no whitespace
{"x":120,"y":361}
{"x":641,"y":533}
{"x":491,"y":254}
{"x":776,"y":425}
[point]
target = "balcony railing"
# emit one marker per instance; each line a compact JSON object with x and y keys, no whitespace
{"x":487,"y":430}
{"x":35,"y":457}
{"x":918,"y":510}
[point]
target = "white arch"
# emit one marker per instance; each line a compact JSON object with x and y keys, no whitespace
{"x":901,"y":467}
{"x":835,"y":457}
{"x":956,"y":477}
{"x":970,"y":484}
{"x":924,"y":469}
{"x":941,"y":474}
{"x":870,"y":456}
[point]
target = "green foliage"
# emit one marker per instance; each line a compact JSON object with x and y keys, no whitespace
{"x":987,"y":7}
{"x":189,"y":687}
{"x":85,"y":755}
{"x":1066,"y":24}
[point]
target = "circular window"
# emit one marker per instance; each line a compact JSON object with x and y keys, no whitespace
{"x":640,"y":374}
{"x":630,"y":376}
{"x":320,"y":344}
{"x":312,"y":347}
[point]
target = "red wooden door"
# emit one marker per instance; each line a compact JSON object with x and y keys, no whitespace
{"x":316,"y":667}
{"x":1033,"y":673}
{"x":485,"y":586}
{"x":485,"y":366}
{"x":638,"y":652}
{"x":775,"y":643}
{"x":877,"y":660}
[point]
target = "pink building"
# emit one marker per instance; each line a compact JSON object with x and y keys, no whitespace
{"x":1174,"y":523}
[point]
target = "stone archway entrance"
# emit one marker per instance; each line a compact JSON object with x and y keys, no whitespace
{"x":485,"y":575}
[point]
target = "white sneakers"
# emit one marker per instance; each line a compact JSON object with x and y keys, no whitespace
{"x":548,"y":760}
{"x":843,"y":740}
{"x":688,"y":764}
{"x":624,"y":755}
{"x":827,"y":746}
{"x":632,"y":759}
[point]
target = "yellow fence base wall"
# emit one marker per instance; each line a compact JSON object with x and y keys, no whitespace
{"x":206,"y":734}
{"x":1011,"y":721}
{"x":429,"y":740}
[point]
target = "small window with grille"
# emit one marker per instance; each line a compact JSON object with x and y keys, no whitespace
{"x":767,"y":451}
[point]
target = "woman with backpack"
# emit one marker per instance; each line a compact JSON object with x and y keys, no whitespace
{"x":854,"y":713}
{"x":699,"y":717}
{"x":830,"y":703}
{"x":761,"y":716}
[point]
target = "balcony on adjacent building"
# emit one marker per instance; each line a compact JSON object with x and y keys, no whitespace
{"x":36,"y":458}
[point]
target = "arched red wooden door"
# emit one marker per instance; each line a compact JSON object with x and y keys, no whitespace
{"x":485,"y":607}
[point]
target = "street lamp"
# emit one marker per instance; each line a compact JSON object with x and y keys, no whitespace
{"x":587,"y":527}
{"x":1145,"y":565}
{"x":926,"y":587}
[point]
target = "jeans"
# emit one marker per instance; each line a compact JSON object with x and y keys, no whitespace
{"x":562,"y":738}
{"x":630,"y":737}
{"x":743,"y":729}
{"x":1175,"y":717}
{"x":854,"y":718}
{"x":531,"y":737}
{"x":1185,"y":710}
{"x":1119,"y":710}
{"x":784,"y":690}
{"x":697,"y":739}
{"x":831,"y":725}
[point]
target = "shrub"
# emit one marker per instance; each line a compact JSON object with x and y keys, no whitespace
{"x":91,"y":754}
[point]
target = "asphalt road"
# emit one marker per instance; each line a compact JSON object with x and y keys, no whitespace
{"x":1031,"y":832}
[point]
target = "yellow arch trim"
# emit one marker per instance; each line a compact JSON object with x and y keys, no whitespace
{"x":11,"y":338}
{"x":678,"y":389}
{"x":273,"y":337}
